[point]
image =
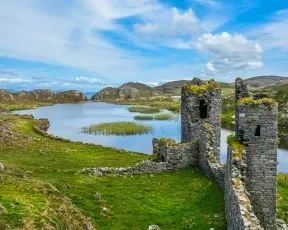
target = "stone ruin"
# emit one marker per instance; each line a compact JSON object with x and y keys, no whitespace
{"x":249,"y":177}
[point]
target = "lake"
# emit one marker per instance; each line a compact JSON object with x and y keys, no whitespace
{"x":66,"y":120}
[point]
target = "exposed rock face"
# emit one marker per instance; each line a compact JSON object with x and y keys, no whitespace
{"x":262,"y":81}
{"x":108,"y":93}
{"x":5,"y":96}
{"x":26,"y":95}
{"x":129,"y":90}
{"x":44,"y":95}
{"x":133,"y":90}
{"x":71,"y":95}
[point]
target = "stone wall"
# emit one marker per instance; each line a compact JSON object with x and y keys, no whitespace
{"x":146,"y":166}
{"x":181,"y":155}
{"x":208,"y":156}
{"x":239,"y":213}
{"x":196,"y":96}
{"x":257,"y":130}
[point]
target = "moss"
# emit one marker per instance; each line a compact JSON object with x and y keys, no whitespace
{"x":201,"y":89}
{"x":264,"y":101}
{"x":237,"y":182}
{"x":166,"y":141}
{"x":236,"y":146}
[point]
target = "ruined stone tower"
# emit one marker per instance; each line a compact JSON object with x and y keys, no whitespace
{"x":200,"y":104}
{"x":256,"y":128}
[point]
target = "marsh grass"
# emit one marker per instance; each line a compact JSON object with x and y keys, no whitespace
{"x":145,"y":110}
{"x":157,"y":117}
{"x":118,"y":128}
{"x":163,"y":117}
{"x":143,"y":118}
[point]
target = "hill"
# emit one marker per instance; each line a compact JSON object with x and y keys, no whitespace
{"x":39,"y":97}
{"x":263,"y":81}
{"x":130,"y":90}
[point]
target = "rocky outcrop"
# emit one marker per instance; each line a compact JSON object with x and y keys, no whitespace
{"x":26,"y":95}
{"x":71,"y":96}
{"x":127,"y":91}
{"x":108,"y":93}
{"x":44,"y":95}
{"x":133,"y":90}
{"x":6,"y":96}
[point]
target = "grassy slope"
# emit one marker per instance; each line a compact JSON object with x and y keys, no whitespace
{"x":173,"y":200}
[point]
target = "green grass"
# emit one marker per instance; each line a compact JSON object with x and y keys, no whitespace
{"x":157,"y":117}
{"x":118,"y":128}
{"x":282,"y":209}
{"x":173,"y":200}
{"x":163,"y":116}
{"x":146,"y":110}
{"x":143,"y":118}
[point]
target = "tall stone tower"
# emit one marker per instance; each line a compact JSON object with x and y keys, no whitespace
{"x":201,"y":104}
{"x":256,"y":128}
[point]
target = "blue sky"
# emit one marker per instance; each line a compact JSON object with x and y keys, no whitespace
{"x":91,"y":44}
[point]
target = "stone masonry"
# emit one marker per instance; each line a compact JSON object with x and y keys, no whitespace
{"x":257,"y":122}
{"x":201,"y":104}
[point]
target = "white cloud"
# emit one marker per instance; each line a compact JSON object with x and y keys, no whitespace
{"x":208,"y":3}
{"x":274,"y":33}
{"x":169,"y":23}
{"x":149,"y":83}
{"x":229,"y":53}
{"x":89,"y":80}
{"x":166,"y":80}
{"x":13,"y":80}
{"x":72,"y":39}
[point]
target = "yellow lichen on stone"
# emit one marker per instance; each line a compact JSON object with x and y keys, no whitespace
{"x":251,"y":101}
{"x":201,"y":89}
{"x":235,"y":146}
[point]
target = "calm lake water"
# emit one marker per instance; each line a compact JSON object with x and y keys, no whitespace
{"x":66,"y":120}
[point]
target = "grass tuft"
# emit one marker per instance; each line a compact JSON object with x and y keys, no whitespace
{"x":143,"y":118}
{"x":118,"y":128}
{"x":145,"y":110}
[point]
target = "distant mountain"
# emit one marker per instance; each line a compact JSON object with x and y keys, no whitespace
{"x":262,"y":81}
{"x":42,"y":95}
{"x":130,"y":90}
{"x":171,"y":88}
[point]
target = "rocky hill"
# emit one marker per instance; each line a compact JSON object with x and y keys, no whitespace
{"x":171,"y":88}
{"x":43,"y":95}
{"x":108,"y":93}
{"x":263,"y":81}
{"x":130,"y":90}
{"x":25,"y":99}
{"x":71,"y":96}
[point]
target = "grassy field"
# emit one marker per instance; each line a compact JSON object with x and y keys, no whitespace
{"x":123,"y":128}
{"x":173,"y":200}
